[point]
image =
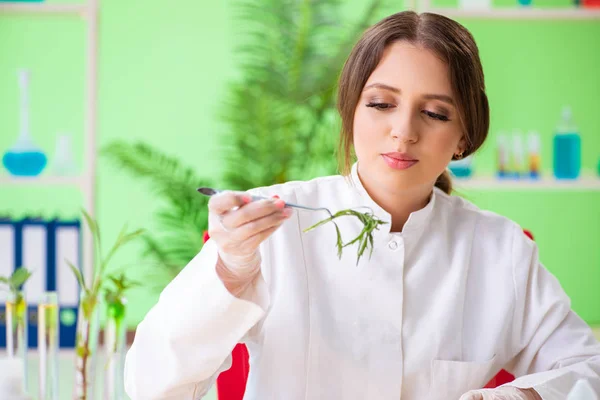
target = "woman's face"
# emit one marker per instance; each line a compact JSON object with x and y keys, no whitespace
{"x":406,"y":125}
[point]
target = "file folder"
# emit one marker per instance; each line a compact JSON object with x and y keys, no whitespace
{"x":65,"y":245}
{"x":34,"y":257}
{"x":8,"y":263}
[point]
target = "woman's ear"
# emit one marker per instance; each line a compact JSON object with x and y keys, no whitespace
{"x":462,"y":146}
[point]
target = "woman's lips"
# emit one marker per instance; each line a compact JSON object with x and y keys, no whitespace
{"x":399,"y":161}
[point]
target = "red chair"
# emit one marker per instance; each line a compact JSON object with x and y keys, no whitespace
{"x":231,"y":384}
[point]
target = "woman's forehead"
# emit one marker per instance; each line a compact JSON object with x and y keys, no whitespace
{"x":410,"y":67}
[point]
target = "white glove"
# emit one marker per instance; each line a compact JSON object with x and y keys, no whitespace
{"x":502,"y":393}
{"x":238,"y":225}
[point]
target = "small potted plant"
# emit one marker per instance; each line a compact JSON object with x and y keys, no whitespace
{"x":16,"y":315}
{"x":115,"y":335}
{"x":86,"y":341}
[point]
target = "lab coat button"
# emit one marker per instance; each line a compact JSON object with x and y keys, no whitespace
{"x":393,"y":245}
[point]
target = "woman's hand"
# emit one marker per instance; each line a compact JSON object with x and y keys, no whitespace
{"x":502,"y":393}
{"x":239,"y":225}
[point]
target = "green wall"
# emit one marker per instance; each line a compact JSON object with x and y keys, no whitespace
{"x":162,"y":75}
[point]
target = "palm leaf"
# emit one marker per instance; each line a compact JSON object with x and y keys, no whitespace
{"x":183,"y":218}
{"x":278,"y":115}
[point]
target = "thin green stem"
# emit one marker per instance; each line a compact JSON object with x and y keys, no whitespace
{"x":364,"y":238}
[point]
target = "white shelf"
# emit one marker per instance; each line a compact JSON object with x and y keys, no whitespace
{"x":89,"y":11}
{"x":585,"y":183}
{"x":43,"y":8}
{"x":43,"y":180}
{"x":521,"y":13}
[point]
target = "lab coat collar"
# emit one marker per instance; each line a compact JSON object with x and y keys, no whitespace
{"x":416,"y":220}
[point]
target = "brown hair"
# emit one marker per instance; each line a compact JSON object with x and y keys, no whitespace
{"x":448,"y":40}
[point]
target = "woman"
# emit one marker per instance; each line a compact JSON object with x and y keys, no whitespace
{"x":450,"y":295}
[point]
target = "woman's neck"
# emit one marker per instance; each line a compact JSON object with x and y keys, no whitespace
{"x":400,"y":203}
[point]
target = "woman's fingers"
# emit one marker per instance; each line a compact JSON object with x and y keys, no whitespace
{"x":224,"y":202}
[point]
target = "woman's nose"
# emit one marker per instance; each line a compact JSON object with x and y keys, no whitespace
{"x":404,"y":128}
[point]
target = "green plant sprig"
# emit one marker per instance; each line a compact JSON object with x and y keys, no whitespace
{"x":15,"y":281}
{"x":115,"y":300}
{"x":91,"y":295}
{"x":365,"y":237}
{"x":92,"y":289}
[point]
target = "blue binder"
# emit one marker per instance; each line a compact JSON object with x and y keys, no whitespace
{"x":10,"y":258}
{"x":64,"y":243}
{"x":34,"y":256}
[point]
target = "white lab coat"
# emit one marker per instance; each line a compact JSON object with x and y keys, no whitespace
{"x":438,"y":310}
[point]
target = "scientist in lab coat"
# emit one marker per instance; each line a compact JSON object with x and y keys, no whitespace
{"x":450,"y":295}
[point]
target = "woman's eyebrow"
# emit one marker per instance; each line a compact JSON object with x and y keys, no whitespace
{"x":382,"y":86}
{"x":442,"y":97}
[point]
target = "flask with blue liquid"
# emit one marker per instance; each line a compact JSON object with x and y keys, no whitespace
{"x":567,"y":148}
{"x":24,"y":158}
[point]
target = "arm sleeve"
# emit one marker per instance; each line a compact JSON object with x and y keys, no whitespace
{"x":557,"y":347}
{"x":186,"y":339}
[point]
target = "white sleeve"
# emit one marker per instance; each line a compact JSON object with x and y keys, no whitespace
{"x":186,"y":339}
{"x":556,"y":346}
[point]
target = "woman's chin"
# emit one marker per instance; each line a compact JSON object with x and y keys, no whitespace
{"x":405,"y":182}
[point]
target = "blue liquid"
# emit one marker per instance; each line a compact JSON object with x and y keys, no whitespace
{"x":461,"y":172}
{"x":567,"y":156}
{"x":27,"y":163}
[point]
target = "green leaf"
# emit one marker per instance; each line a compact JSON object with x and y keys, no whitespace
{"x":289,"y":55}
{"x":19,"y":277}
{"x":92,"y":225}
{"x":4,"y":280}
{"x":131,"y":236}
{"x":95,"y":230}
{"x":121,"y":284}
{"x":88,"y":304}
{"x":364,"y":239}
{"x":310,"y":228}
{"x":78,"y":275}
{"x":339,"y":242}
{"x":112,"y":251}
{"x":122,"y":239}
{"x":184,"y":217}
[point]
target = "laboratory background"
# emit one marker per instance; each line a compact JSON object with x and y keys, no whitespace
{"x":113,"y":112}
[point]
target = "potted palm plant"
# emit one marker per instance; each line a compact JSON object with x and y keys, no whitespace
{"x":278,"y":114}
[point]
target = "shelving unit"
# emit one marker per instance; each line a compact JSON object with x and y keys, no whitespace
{"x":44,"y":8}
{"x":587,"y":183}
{"x":49,"y":180}
{"x":86,"y":182}
{"x":508,"y":13}
{"x":521,"y":13}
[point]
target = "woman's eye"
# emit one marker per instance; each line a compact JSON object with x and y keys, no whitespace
{"x":380,"y":106}
{"x":436,"y":116}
